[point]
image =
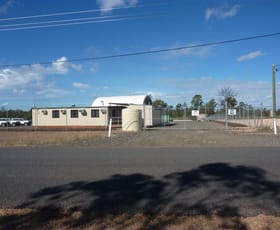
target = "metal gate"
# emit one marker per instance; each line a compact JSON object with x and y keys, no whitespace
{"x":246,"y":118}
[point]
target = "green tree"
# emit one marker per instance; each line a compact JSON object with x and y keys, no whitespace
{"x":179,"y":110}
{"x":197,"y":101}
{"x":228,"y":95}
{"x":159,"y":104}
{"x":241,"y":104}
{"x":211,"y":106}
{"x":241,"y":108}
{"x":232,"y":102}
{"x":16,"y":113}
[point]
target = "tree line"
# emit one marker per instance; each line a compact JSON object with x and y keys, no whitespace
{"x":15,"y":114}
{"x":211,"y":107}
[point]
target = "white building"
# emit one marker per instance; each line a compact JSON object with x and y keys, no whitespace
{"x":98,"y":115}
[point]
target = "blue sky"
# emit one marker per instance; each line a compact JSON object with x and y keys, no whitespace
{"x":113,"y":27}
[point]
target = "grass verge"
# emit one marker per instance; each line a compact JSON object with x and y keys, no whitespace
{"x":51,"y":219}
{"x":29,"y":138}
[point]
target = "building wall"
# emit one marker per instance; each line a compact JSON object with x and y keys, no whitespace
{"x":62,"y":116}
{"x":150,"y":116}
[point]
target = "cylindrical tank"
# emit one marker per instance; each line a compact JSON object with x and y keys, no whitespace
{"x":131,"y":120}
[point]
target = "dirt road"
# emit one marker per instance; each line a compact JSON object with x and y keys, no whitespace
{"x":182,"y":134}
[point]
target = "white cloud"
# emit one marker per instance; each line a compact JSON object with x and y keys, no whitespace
{"x":60,"y":66}
{"x":91,"y":51}
{"x":222,"y":12}
{"x":81,"y":86}
{"x":77,"y":67}
{"x":20,"y":78}
{"x":250,"y":56}
{"x":194,"y":52}
{"x":93,"y":67}
{"x":6,"y":6}
{"x":106,"y":6}
{"x":48,"y":93}
{"x":154,"y":94}
{"x":5,"y":104}
{"x":31,"y":79}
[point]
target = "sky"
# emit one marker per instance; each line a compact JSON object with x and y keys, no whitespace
{"x":68,"y":52}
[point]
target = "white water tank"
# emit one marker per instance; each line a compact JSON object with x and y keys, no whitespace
{"x":131,"y":120}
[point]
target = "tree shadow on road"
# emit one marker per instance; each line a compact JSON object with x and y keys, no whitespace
{"x":212,"y":189}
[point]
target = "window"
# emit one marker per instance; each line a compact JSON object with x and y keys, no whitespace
{"x":95,"y":113}
{"x":55,"y":114}
{"x":74,"y":113}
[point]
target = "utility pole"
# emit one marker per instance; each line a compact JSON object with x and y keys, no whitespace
{"x":226,"y":111}
{"x":274,"y":69}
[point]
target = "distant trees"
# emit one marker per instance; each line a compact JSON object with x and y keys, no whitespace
{"x":179,"y":110}
{"x":16,"y":113}
{"x":182,"y":109}
{"x":228,"y":95}
{"x":211,"y":106}
{"x":232,"y":102}
{"x":159,"y":104}
{"x":197,"y":101}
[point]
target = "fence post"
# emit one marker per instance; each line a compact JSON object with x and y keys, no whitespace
{"x":226,"y":108}
{"x":254,"y":114}
{"x":261,"y":116}
{"x":274,"y":69}
{"x":248,"y":117}
{"x":110,"y":127}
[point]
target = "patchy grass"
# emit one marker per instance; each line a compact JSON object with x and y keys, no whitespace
{"x":264,"y":129}
{"x":29,"y":138}
{"x":203,"y":137}
{"x":50,"y":219}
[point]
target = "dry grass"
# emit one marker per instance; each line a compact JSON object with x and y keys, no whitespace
{"x":31,"y":219}
{"x":264,"y":129}
{"x":29,"y":138}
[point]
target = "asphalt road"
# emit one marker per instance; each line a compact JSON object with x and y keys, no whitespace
{"x":226,"y":181}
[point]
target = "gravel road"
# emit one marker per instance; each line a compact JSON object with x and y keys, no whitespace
{"x":186,"y":134}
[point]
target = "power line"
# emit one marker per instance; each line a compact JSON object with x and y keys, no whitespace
{"x":49,"y":15}
{"x":75,"y":21}
{"x":70,"y":22}
{"x":56,"y":21}
{"x":61,"y":14}
{"x":77,"y":12}
{"x":148,"y":52}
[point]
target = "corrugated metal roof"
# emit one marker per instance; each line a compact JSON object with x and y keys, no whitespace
{"x":121,"y":100}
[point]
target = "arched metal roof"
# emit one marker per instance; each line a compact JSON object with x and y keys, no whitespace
{"x":123,"y":100}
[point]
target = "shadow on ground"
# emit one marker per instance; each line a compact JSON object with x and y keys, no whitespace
{"x":212,"y":189}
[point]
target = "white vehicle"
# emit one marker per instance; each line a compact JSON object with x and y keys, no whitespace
{"x":21,"y":121}
{"x":13,"y":122}
{"x":3,"y":122}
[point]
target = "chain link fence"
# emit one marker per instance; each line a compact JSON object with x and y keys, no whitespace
{"x":247,"y":116}
{"x":252,"y":117}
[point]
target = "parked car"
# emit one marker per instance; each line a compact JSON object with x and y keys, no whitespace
{"x":13,"y":122}
{"x":22,"y":121}
{"x":4,"y":122}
